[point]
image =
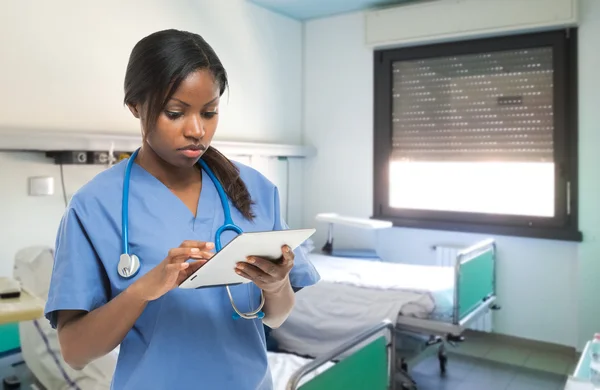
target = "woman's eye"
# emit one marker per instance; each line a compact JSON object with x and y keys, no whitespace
{"x":173,"y":115}
{"x":209,"y":115}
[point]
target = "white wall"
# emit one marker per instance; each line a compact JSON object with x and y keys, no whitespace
{"x":32,"y":220}
{"x":588,"y":267}
{"x":63,"y":63}
{"x":62,"y":67}
{"x":548,"y":290}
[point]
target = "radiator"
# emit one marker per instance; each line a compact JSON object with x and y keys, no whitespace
{"x":445,"y":256}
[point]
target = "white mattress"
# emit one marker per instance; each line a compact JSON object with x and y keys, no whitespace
{"x":354,"y":295}
{"x":382,"y":275}
{"x":284,"y":365}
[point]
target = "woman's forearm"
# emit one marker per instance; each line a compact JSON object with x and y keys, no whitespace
{"x":278,"y":305}
{"x":85,"y":337}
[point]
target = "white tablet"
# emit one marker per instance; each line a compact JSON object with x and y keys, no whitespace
{"x":220,"y":269}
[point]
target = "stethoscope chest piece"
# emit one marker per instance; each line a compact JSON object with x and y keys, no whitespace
{"x":129,"y":265}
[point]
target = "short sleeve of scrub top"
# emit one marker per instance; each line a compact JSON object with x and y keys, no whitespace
{"x":79,"y":281}
{"x":186,"y":339}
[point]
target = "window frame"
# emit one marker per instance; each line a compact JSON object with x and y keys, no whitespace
{"x":564,"y":225}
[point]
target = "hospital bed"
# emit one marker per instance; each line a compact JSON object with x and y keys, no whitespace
{"x":369,"y":350}
{"x":429,"y":305}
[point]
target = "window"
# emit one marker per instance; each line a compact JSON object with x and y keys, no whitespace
{"x":479,"y":136}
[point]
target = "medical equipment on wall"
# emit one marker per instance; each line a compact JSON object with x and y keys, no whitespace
{"x":129,"y":264}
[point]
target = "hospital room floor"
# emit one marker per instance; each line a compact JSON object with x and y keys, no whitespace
{"x":483,"y":363}
{"x":13,"y":365}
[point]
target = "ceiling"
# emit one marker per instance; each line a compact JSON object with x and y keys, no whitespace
{"x":311,"y":9}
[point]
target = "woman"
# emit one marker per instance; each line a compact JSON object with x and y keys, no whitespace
{"x":170,"y":338}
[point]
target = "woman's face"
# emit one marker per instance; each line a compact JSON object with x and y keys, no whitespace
{"x":186,"y":126}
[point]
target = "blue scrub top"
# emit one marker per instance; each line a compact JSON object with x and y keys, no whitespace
{"x":186,"y":339}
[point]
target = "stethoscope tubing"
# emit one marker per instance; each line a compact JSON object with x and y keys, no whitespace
{"x":228,"y":224}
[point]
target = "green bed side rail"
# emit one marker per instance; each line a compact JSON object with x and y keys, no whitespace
{"x":366,"y":369}
{"x":476,"y":281}
{"x":9,"y":337}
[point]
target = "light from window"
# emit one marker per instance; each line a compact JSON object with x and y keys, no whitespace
{"x":515,"y":188}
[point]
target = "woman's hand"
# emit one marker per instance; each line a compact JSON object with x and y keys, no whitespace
{"x":173,"y":270}
{"x":269,"y":276}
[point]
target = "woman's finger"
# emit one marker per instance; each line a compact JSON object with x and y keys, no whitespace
{"x":242,"y":273}
{"x":266,"y":266}
{"x":176,"y":267}
{"x":195,"y":265}
{"x":288,"y":257}
{"x":197,"y":244}
{"x":178,"y":255}
{"x":254,"y":273}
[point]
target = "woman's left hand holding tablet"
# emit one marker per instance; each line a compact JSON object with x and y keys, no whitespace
{"x":270,"y":276}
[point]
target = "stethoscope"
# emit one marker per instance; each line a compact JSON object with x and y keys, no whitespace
{"x":129,"y":264}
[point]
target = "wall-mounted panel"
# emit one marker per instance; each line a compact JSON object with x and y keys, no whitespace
{"x":441,"y":20}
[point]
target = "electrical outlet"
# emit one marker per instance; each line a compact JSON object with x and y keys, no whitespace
{"x":80,"y":157}
{"x":100,"y":158}
{"x":69,"y":157}
{"x":41,"y":185}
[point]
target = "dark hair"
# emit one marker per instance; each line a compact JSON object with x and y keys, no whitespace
{"x":157,"y":66}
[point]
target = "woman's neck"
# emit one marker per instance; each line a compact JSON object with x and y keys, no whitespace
{"x":175,"y":178}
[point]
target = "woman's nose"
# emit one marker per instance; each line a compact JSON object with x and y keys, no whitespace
{"x":195,"y":127}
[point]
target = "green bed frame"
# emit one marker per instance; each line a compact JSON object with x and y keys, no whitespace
{"x":370,"y":367}
{"x":9,"y":338}
{"x":475,"y":281}
{"x":474,"y":293}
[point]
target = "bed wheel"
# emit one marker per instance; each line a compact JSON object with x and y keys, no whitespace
{"x":443,"y":359}
{"x":407,"y":384}
{"x":443,"y":363}
{"x":403,"y":365}
{"x":402,"y":380}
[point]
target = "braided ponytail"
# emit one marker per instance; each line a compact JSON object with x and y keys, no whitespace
{"x":229,"y":177}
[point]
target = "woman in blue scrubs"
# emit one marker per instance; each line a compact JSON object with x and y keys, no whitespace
{"x":171,"y":338}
